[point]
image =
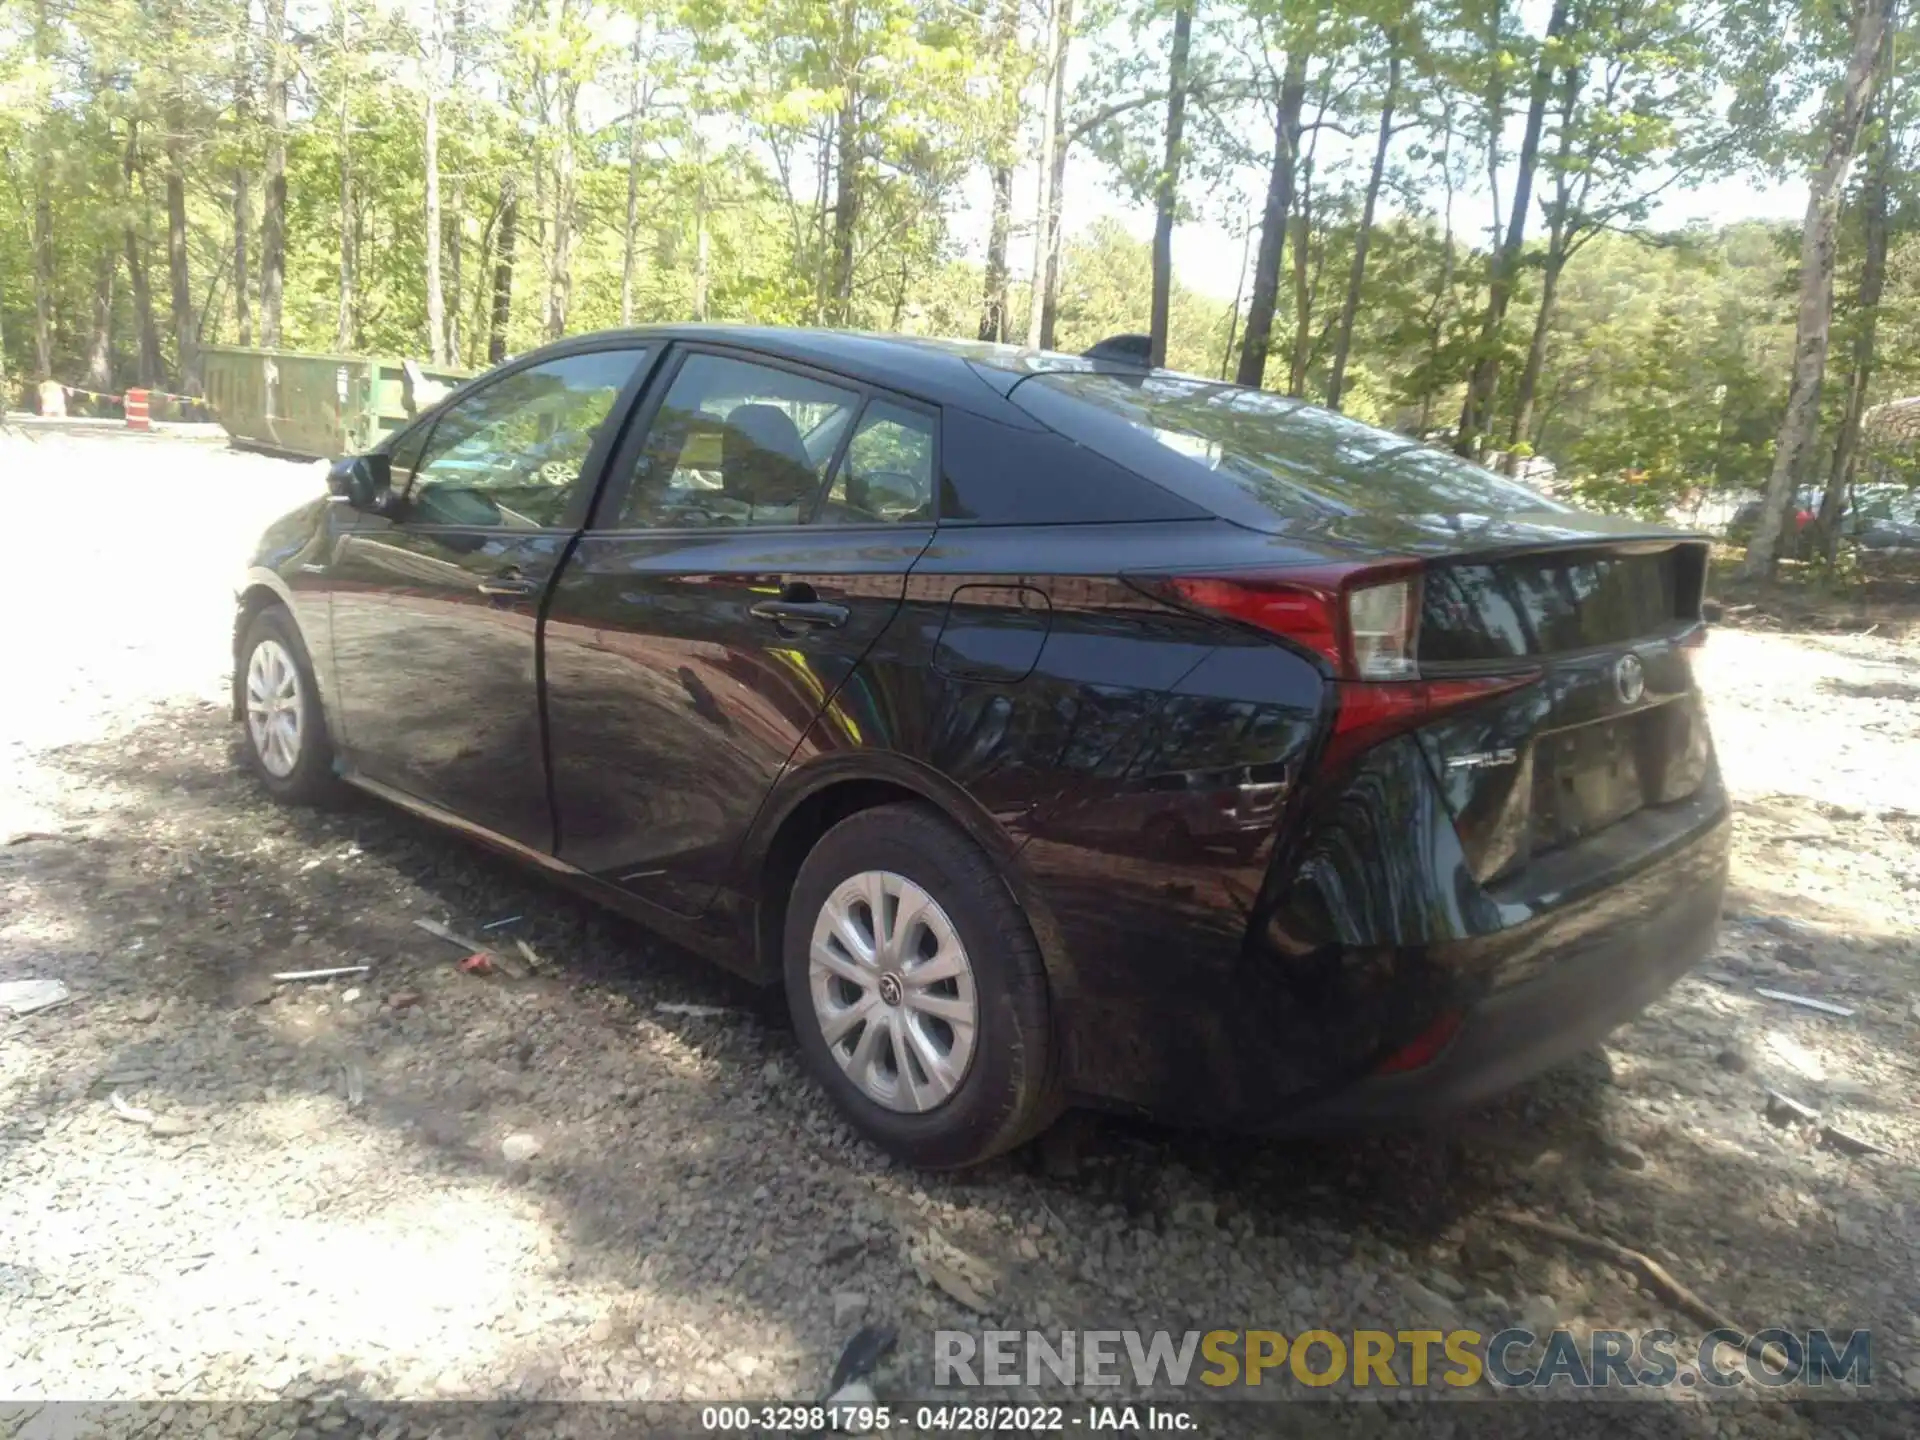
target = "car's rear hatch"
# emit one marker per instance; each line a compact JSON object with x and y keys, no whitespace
{"x":1611,"y":726}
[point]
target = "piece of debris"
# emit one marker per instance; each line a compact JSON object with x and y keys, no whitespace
{"x":869,"y":1346}
{"x":1795,"y":1056}
{"x":23,"y":837}
{"x":26,"y":997}
{"x":478,"y":963}
{"x":501,"y":924}
{"x":1785,"y":1110}
{"x":1834,"y":1138}
{"x":349,"y":995}
{"x":530,"y":955}
{"x":519,"y":1148}
{"x":131,"y":1113}
{"x":955,"y":1285}
{"x":403,"y":999}
{"x":452,"y":937}
{"x":692,"y":1012}
{"x":326,"y":974}
{"x":1805,"y":1002}
{"x":1649,"y":1270}
{"x":172,"y":1125}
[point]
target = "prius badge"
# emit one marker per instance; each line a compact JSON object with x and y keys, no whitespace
{"x":1484,"y":759}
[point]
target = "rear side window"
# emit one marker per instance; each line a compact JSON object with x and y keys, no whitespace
{"x":888,"y":470}
{"x":1294,"y":459}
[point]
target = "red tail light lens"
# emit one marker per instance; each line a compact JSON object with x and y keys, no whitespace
{"x":1364,"y":621}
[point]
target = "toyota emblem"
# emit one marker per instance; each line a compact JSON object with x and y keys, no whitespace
{"x":1629,"y":679}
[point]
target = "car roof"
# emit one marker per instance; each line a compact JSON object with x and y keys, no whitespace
{"x":975,"y":375}
{"x":939,"y":371}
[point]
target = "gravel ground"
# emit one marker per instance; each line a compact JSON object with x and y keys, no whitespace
{"x":419,"y":1184}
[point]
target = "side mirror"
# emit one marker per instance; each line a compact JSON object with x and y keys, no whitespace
{"x":364,"y":481}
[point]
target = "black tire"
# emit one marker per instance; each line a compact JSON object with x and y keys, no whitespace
{"x":1009,"y":1092}
{"x":311,"y":781}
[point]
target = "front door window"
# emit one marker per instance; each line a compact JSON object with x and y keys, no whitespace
{"x":510,"y":454}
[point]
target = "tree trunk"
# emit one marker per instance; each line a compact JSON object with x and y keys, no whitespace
{"x":343,"y":327}
{"x":455,"y":224}
{"x":1873,"y":284}
{"x":846,"y":169}
{"x":1002,"y":148}
{"x":147,"y":365}
{"x":1239,"y":287}
{"x":186,"y":339}
{"x":700,"y":248}
{"x":100,"y":352}
{"x":242,"y":277}
{"x":1363,"y":237}
{"x":630,"y":248}
{"x":503,"y":271}
{"x":560,"y":275}
{"x":1052,"y":166}
{"x":993,"y":306}
{"x":1813,"y":326}
{"x":242,"y":188}
{"x":846,"y":206}
{"x":1477,"y":413}
{"x":452,"y":237}
{"x":1258,"y":336}
{"x":1560,"y":242}
{"x":1306,"y":275}
{"x":1520,"y":435}
{"x":42,"y":215}
{"x":273,"y":217}
{"x":436,"y":295}
{"x":1167,"y":191}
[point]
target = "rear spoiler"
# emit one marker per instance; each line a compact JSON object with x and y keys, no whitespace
{"x":1130,"y":350}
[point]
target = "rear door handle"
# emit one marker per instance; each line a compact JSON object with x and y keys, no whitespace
{"x":800,"y":612}
{"x":508,"y":585}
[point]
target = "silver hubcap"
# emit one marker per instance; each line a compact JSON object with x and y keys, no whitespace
{"x":893,"y":991}
{"x":273,"y":707}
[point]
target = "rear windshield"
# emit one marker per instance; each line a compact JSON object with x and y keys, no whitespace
{"x":1295,"y":459}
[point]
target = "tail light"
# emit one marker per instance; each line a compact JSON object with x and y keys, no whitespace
{"x":1364,"y":622}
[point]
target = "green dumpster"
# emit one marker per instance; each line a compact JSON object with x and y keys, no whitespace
{"x":313,"y":406}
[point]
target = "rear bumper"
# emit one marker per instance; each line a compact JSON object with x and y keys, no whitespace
{"x":1268,"y":1042}
{"x":1593,"y":983}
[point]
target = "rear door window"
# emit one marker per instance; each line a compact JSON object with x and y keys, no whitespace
{"x":737,"y":443}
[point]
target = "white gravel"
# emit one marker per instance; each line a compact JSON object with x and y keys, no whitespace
{"x":444,"y":1186}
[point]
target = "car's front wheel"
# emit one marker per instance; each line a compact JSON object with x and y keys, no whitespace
{"x":918,"y":991}
{"x":286,"y":732}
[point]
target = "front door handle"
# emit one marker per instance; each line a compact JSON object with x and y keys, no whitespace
{"x":509,"y":585}
{"x":800,"y":612}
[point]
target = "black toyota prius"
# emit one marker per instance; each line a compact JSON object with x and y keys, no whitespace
{"x":1056,"y":730}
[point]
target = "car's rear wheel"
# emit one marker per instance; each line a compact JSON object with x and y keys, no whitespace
{"x":286,"y":739}
{"x":918,"y":991}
